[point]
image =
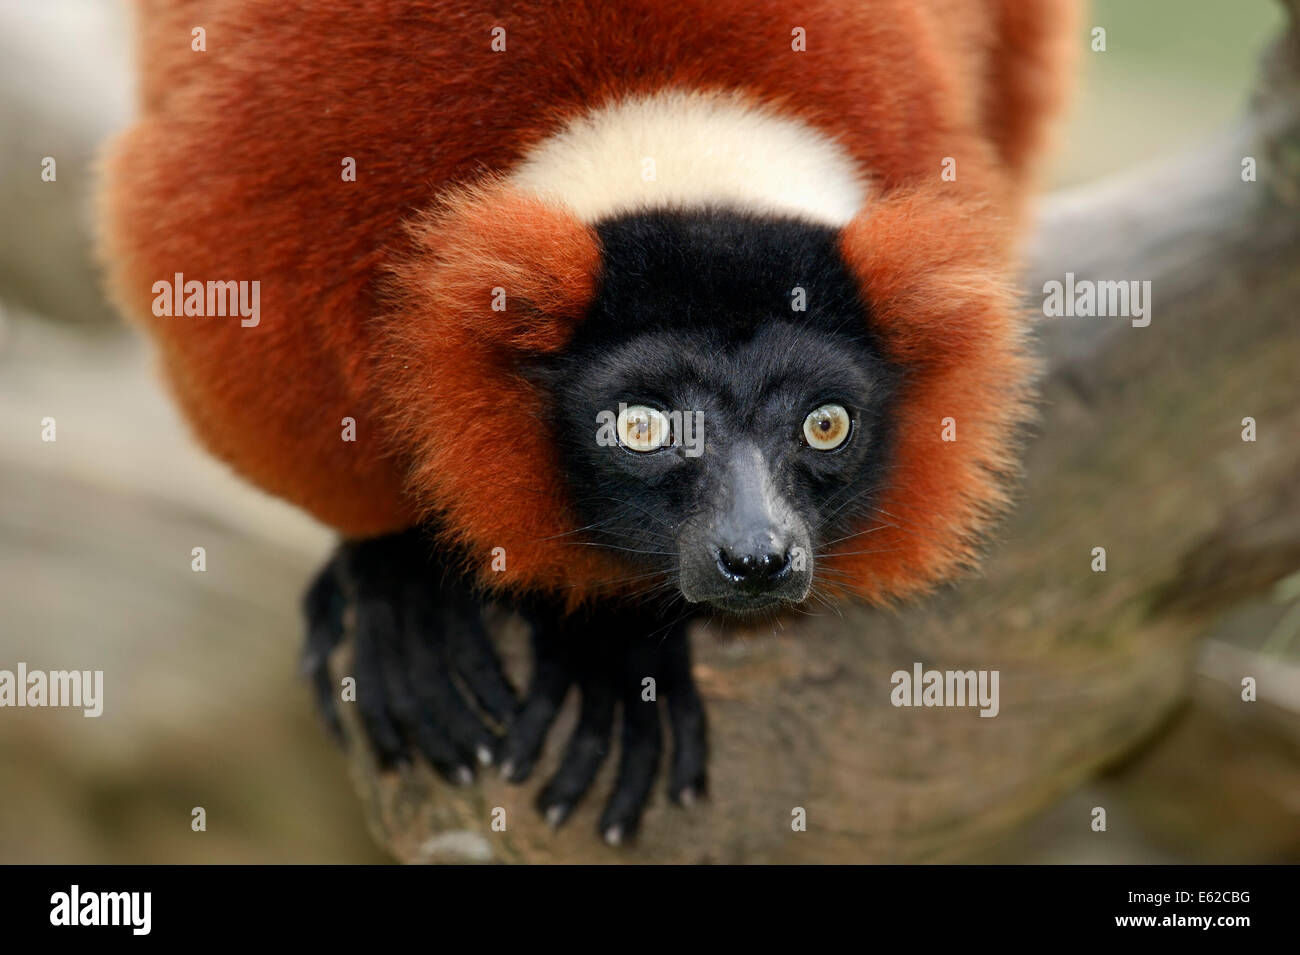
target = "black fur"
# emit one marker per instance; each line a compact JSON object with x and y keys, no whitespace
{"x":694,"y":313}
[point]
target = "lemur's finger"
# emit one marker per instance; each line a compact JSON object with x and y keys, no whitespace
{"x":440,"y":711}
{"x":376,"y":628}
{"x":420,"y":695}
{"x":411,"y":699}
{"x":323,"y":607}
{"x":475,"y":659}
{"x":551,"y":680}
{"x":638,"y":764}
{"x":688,"y":778}
{"x":583,"y":756}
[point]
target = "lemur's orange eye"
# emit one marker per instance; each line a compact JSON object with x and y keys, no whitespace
{"x":641,"y":428}
{"x":827,"y":427}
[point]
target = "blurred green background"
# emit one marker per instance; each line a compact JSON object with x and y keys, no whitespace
{"x":203,"y":706}
{"x":1173,"y":72}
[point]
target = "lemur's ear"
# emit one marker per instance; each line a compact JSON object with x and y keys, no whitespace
{"x":506,"y":267}
{"x":491,"y":277}
{"x":930,"y":269}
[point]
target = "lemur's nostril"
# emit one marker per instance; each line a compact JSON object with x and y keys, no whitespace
{"x":753,"y":570}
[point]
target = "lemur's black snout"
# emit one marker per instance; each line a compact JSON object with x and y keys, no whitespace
{"x":754,"y":571}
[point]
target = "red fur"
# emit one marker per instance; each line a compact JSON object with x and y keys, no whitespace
{"x":449,"y":365}
{"x":233,"y":172}
{"x":931,"y":268}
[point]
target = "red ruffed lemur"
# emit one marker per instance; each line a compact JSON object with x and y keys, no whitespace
{"x":618,"y":311}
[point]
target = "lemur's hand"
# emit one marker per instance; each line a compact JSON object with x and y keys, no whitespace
{"x":610,"y":655}
{"x":416,"y":624}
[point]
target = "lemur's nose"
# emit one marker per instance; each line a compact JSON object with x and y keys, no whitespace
{"x":754,"y":570}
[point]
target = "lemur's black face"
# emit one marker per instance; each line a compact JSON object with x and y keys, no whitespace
{"x":723,"y":415}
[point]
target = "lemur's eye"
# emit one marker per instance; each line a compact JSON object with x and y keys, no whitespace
{"x":642,"y":429}
{"x":827,"y":427}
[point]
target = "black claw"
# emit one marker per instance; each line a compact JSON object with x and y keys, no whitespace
{"x":688,"y":778}
{"x":375,"y":625}
{"x":584,"y":755}
{"x":638,"y":764}
{"x":556,"y":814}
{"x":474,"y":658}
{"x":523,"y":742}
{"x":440,"y":708}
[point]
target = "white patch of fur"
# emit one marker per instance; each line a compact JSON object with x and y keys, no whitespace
{"x":707,"y":148}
